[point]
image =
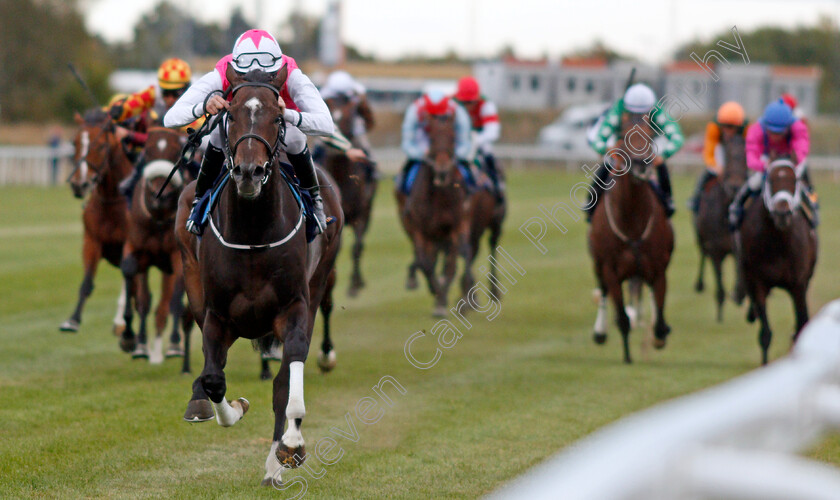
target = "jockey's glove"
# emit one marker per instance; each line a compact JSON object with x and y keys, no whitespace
{"x":755,"y":181}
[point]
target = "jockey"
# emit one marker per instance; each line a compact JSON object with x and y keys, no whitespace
{"x":305,"y":113}
{"x":639,"y":99}
{"x":485,"y":127}
{"x":777,"y":134}
{"x":173,"y":79}
{"x":729,"y":121}
{"x":340,"y":85}
{"x":415,"y":141}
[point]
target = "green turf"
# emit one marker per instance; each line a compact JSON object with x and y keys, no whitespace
{"x":81,"y":419}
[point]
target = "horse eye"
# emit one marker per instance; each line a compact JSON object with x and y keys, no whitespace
{"x":278,"y":119}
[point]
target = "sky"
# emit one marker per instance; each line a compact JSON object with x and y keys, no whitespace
{"x":647,"y":29}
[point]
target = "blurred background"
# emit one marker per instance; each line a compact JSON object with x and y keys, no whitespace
{"x":551,"y":66}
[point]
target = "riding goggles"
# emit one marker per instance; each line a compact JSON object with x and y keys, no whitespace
{"x":262,"y":59}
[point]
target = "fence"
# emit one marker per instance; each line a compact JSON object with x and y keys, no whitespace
{"x":35,"y":165}
{"x":734,"y":441}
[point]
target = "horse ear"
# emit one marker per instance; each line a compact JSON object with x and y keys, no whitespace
{"x":78,"y":118}
{"x":232,"y":76}
{"x":280,"y":77}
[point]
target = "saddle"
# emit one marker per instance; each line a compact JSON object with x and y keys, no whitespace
{"x":471,"y":182}
{"x":210,"y":199}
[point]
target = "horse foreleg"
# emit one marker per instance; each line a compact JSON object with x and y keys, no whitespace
{"x":91,"y":254}
{"x":758,"y":296}
{"x":617,"y":295}
{"x":144,"y":302}
{"x":326,"y":358}
{"x":720,"y":292}
{"x":599,"y":334}
{"x":356,"y":281}
{"x":217,"y":341}
{"x":176,"y":308}
{"x":660,"y":328}
{"x":119,"y":316}
{"x":800,"y":306}
{"x":425,"y":258}
{"x":128,"y":266}
{"x":167,"y":285}
{"x":468,"y":251}
{"x":450,"y":265}
{"x":699,"y":286}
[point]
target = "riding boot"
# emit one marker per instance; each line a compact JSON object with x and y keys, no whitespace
{"x":126,"y":186}
{"x":736,"y":208}
{"x":305,"y":171}
{"x":211,"y":166}
{"x":665,"y":185}
{"x":602,"y":175}
{"x":470,"y":179}
{"x":402,"y":178}
{"x":498,"y":184}
{"x":694,"y":202}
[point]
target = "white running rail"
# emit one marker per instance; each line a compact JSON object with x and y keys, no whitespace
{"x":33,"y":165}
{"x":735,"y":441}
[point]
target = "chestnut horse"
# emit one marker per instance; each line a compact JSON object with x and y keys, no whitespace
{"x":356,"y":182}
{"x":711,"y":222}
{"x":100,"y":164}
{"x":435,"y":214}
{"x":151,"y":242}
{"x":778,"y":248}
{"x":253,"y":275}
{"x":630,"y":237}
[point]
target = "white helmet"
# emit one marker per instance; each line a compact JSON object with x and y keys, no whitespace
{"x":340,"y":83}
{"x":256,"y":49}
{"x":639,"y":98}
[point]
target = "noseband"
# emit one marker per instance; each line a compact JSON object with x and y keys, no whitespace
{"x":273,"y":151}
{"x":794,"y":199}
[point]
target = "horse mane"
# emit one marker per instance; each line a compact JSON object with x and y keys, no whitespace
{"x":258,"y":76}
{"x":95,"y":116}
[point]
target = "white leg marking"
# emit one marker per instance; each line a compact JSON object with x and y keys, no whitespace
{"x":601,"y":319}
{"x":295,"y":408}
{"x":156,"y":356}
{"x":273,"y":468}
{"x":119,"y":320}
{"x":227,"y":415}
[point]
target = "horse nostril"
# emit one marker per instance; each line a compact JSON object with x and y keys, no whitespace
{"x":237,"y":170}
{"x":259,"y":172}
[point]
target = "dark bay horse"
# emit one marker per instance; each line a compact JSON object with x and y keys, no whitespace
{"x":630,"y":237}
{"x":356,"y":183}
{"x":487,"y":213}
{"x":436,"y":213}
{"x":711,"y":221}
{"x":253,"y":275}
{"x":151,"y":242}
{"x":100,"y":164}
{"x":778,"y":248}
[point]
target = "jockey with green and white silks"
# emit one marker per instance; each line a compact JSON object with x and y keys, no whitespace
{"x":604,"y":134}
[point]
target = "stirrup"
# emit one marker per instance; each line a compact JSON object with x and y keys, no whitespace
{"x":193,"y":224}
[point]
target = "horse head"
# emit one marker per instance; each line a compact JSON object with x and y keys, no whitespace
{"x":93,"y":144}
{"x":255,"y":128}
{"x":636,"y":141}
{"x":163,"y":147}
{"x":781,"y":192}
{"x":343,"y":110}
{"x":441,"y":155}
{"x":735,"y":160}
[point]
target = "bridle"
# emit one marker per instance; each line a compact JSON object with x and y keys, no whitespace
{"x":273,"y":151}
{"x":103,"y":166}
{"x":794,"y":199}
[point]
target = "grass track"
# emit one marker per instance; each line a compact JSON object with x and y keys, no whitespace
{"x":80,"y":419}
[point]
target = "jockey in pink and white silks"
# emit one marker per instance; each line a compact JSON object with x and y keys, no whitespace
{"x":306,"y":113}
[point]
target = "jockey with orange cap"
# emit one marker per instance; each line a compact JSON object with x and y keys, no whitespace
{"x":485,"y":126}
{"x":730,"y":120}
{"x":173,"y":79}
{"x":304,"y":111}
{"x":415,"y":140}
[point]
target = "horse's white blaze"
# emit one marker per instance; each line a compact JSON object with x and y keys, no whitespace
{"x":119,"y":320}
{"x":83,"y":167}
{"x":253,"y":104}
{"x":273,"y":468}
{"x":227,"y":415}
{"x":601,"y":319}
{"x":295,"y":408}
{"x":161,"y":145}
{"x":156,"y":356}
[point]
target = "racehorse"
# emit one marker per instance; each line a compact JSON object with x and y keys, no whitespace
{"x":435,"y":214}
{"x":151,"y":242}
{"x":778,"y":248}
{"x":487,"y":212}
{"x":630,"y":237}
{"x":356,"y":182}
{"x":252,"y":274}
{"x":711,"y":221}
{"x":100,"y":163}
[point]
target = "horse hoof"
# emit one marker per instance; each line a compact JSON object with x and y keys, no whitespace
{"x":174,"y":351}
{"x":69,"y":326}
{"x":439,"y":312}
{"x":199,"y":410}
{"x":242,"y":404}
{"x":411,"y":283}
{"x":271,"y":482}
{"x":291,"y":458}
{"x":127,"y":345}
{"x":352,"y":291}
{"x":140,"y":352}
{"x":659,"y":343}
{"x":599,"y":338}
{"x":699,"y":287}
{"x":326,"y":362}
{"x":118,"y":330}
{"x":266,"y":375}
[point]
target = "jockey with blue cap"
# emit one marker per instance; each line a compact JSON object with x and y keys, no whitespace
{"x":415,"y":140}
{"x":304,"y":111}
{"x":779,"y":133}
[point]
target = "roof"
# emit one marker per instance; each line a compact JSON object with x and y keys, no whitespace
{"x":584,"y":62}
{"x":683,"y":67}
{"x":809,"y":72}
